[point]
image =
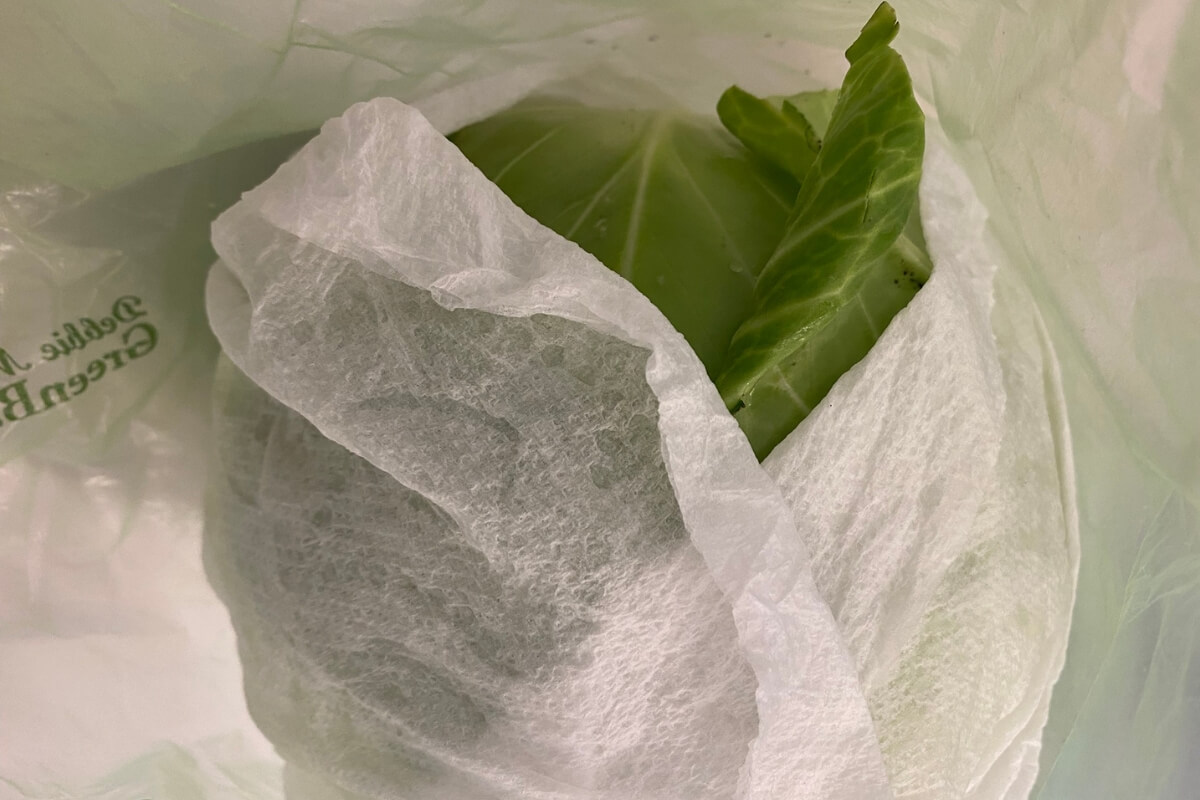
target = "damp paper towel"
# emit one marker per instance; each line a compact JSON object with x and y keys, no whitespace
{"x":485,"y":529}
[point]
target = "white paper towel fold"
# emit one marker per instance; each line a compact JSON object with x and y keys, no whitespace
{"x":541,"y":443}
{"x":933,"y":488}
{"x":489,"y":531}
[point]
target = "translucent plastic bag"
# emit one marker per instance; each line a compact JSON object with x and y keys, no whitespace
{"x":1070,"y":125}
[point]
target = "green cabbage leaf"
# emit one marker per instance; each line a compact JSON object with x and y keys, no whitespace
{"x":779,"y":242}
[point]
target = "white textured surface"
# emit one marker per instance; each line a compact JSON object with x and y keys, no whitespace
{"x":933,"y":490}
{"x":474,"y":413}
{"x":927,"y":487}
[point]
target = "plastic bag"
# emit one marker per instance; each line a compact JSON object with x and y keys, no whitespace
{"x":1016,"y":94}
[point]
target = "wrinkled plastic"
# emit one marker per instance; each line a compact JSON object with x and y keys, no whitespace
{"x":1072,"y":122}
{"x":113,"y":649}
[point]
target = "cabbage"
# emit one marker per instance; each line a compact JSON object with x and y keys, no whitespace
{"x":773,"y":240}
